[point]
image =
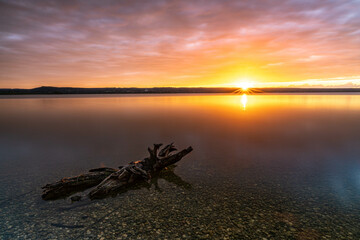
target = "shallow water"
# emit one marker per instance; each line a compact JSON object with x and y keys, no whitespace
{"x":263,"y":166}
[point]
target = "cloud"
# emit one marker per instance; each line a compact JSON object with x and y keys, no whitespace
{"x":74,"y":42}
{"x":311,"y":58}
{"x":337,"y":82}
{"x":273,"y":64}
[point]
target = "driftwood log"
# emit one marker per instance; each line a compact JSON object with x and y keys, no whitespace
{"x":109,"y":181}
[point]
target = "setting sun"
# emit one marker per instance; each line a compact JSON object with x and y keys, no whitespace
{"x":244,"y":84}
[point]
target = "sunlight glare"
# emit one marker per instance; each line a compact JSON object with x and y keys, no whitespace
{"x":245,"y":84}
{"x":244,"y":101}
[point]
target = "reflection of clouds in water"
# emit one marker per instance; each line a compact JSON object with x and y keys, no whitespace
{"x":278,"y":133}
{"x":286,"y":159}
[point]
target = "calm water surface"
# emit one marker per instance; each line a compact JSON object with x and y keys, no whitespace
{"x":263,"y":166}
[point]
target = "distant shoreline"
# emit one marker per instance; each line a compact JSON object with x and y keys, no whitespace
{"x":165,"y":90}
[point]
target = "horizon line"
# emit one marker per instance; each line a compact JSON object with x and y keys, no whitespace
{"x":186,"y":87}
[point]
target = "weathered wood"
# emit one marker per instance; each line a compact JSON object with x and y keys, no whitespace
{"x":108,"y":181}
{"x":67,"y":186}
{"x":140,"y":170}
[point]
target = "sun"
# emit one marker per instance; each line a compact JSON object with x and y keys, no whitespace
{"x":244,"y":84}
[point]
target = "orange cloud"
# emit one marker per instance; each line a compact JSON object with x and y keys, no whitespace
{"x":177,"y":43}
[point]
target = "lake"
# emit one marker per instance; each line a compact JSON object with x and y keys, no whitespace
{"x":266,"y":166}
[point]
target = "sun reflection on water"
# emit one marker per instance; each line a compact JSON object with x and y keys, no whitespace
{"x":244,"y":101}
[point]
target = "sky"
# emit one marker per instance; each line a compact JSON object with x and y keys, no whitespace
{"x":158,"y":43}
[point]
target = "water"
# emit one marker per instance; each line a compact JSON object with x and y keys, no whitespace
{"x":263,"y":166}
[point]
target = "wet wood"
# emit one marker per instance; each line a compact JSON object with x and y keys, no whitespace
{"x":109,"y":181}
{"x":67,"y":186}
